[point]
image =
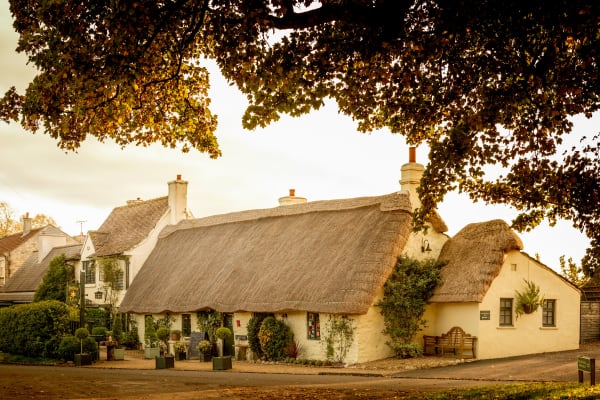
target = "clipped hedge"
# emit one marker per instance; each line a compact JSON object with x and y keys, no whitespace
{"x":33,"y":330}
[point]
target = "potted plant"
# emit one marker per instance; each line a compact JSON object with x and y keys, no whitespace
{"x":175,"y":335}
{"x":205,"y":350}
{"x":117,"y":336}
{"x":223,"y":333}
{"x":151,"y":349}
{"x":529,"y":300}
{"x":165,"y":360}
{"x":180,"y":349}
{"x":82,"y":358}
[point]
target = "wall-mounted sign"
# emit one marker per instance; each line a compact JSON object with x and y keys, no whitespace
{"x":484,"y":315}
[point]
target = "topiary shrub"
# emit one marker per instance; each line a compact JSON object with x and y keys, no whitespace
{"x":223,"y":333}
{"x":117,"y":326}
{"x":80,"y":334}
{"x":274,"y":336}
{"x":163,"y":335}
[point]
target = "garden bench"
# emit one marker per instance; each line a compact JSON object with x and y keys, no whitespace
{"x":454,"y":341}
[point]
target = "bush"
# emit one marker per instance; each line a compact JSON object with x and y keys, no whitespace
{"x":69,"y":346}
{"x":407,"y":350}
{"x":99,"y":331}
{"x":97,"y":316}
{"x":253,"y":328}
{"x":33,"y":330}
{"x":131,"y":338}
{"x":274,"y":336}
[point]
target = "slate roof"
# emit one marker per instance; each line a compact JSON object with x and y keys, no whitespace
{"x":10,"y":242}
{"x":23,"y":284}
{"x":127,"y":226}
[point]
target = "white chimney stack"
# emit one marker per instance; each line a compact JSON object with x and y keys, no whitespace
{"x":410,"y":177}
{"x":291,"y":199}
{"x":177,"y":200}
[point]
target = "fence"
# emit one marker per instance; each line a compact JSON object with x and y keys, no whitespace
{"x":589,"y":321}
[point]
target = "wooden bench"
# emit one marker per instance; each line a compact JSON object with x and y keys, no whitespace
{"x":454,"y":341}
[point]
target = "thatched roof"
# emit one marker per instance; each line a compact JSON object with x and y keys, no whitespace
{"x":127,"y":226}
{"x":323,"y":256}
{"x":22,"y":285}
{"x":474,"y":257}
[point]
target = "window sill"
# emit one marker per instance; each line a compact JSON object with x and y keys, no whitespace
{"x":505,"y":327}
{"x":548,"y":328}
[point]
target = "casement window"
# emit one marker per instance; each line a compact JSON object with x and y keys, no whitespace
{"x":313,"y":326}
{"x":549,"y":313}
{"x":186,"y":325}
{"x":89,"y":267}
{"x":506,"y":312}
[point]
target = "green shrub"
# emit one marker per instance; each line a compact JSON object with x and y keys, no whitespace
{"x":131,"y":338}
{"x":223,"y":333}
{"x":99,"y":331}
{"x":97,"y":316}
{"x":117,"y":328}
{"x":253,"y":328}
{"x":33,"y":330}
{"x":274,"y":336}
{"x":69,"y":346}
{"x":407,"y":350}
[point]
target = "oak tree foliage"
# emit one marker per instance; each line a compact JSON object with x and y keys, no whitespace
{"x":484,"y":83}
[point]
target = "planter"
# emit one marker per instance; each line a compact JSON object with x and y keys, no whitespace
{"x":165,"y":362}
{"x":175,"y":336}
{"x":83,"y":359}
{"x":151,"y":352}
{"x":205,"y":357}
{"x":119,"y":354}
{"x":180,"y":356}
{"x":221,"y":363}
{"x":527,"y":309}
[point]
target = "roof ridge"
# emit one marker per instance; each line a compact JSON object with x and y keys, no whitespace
{"x":388,"y":202}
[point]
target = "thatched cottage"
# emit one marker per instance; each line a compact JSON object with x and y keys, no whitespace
{"x":485,"y":269}
{"x":306,"y":262}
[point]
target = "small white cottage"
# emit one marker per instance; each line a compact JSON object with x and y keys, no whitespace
{"x":485,"y":269}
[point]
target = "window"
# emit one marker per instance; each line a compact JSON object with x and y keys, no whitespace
{"x":186,"y":325}
{"x":313,"y":326}
{"x":98,"y":295}
{"x":89,"y":268}
{"x":549,"y":313}
{"x":506,"y":307}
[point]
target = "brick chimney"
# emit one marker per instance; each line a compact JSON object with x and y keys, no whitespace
{"x":291,"y":199}
{"x":178,"y":200}
{"x":410,"y":177}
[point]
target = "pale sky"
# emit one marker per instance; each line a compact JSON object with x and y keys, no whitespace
{"x":321,"y":155}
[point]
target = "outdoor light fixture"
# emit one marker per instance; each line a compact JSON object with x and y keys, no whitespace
{"x":425,"y":246}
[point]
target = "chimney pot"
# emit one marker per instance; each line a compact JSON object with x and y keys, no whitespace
{"x":412,"y":154}
{"x":292,"y":192}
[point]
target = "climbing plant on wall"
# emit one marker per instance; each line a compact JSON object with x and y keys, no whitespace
{"x":405,"y":296}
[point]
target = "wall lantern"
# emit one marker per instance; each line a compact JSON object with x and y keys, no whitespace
{"x":425,"y":246}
